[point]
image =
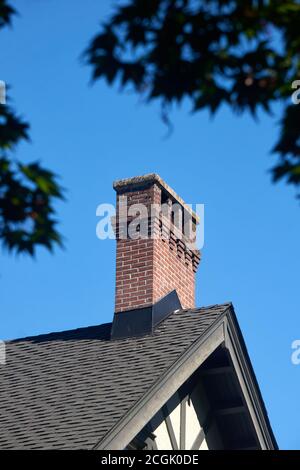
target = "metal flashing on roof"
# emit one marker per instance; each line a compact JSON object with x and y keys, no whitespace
{"x":79,"y":390}
{"x":222,"y":334}
{"x":142,"y":321}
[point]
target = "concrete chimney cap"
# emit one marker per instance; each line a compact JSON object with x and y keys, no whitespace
{"x":135,"y":182}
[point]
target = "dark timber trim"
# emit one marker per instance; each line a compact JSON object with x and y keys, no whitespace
{"x":183,"y":423}
{"x":224,"y":331}
{"x":170,"y":428}
{"x":140,"y":414}
{"x":235,"y":345}
{"x":217,"y":371}
{"x":198,"y":441}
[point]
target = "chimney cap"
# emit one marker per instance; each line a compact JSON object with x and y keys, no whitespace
{"x":136,"y":182}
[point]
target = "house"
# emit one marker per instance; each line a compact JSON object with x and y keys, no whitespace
{"x":162,"y":375}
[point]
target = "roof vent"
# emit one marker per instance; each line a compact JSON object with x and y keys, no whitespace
{"x":142,"y":321}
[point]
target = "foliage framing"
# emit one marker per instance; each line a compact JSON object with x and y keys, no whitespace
{"x":243,"y":53}
{"x":27,"y":191}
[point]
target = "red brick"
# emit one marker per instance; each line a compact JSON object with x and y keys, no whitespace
{"x":148,"y":269}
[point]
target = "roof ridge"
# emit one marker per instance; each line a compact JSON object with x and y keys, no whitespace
{"x":82,"y":328}
{"x":177,"y":359}
{"x":207,"y":307}
{"x":54,"y":333}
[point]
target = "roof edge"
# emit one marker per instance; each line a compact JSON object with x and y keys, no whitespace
{"x":234,"y":339}
{"x":186,"y":364}
{"x":223,"y":330}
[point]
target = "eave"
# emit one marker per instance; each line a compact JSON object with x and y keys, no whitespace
{"x":225,"y":333}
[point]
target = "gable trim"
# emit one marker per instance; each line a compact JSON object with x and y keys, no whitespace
{"x":235,"y":345}
{"x":224,"y":331}
{"x":139,"y":415}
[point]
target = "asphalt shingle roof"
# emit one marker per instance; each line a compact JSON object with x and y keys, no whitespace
{"x":66,"y":390}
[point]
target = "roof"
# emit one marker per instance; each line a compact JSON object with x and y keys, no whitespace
{"x":79,"y":389}
{"x":67,"y":390}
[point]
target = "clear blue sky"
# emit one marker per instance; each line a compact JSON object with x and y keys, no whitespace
{"x":93,"y":135}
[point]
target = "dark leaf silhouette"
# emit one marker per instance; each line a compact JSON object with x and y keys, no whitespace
{"x":239,"y":53}
{"x":6,"y":13}
{"x":27,"y":192}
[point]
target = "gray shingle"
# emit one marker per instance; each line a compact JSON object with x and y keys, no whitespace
{"x":66,"y":390}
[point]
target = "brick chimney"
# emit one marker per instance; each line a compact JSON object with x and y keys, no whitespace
{"x":154,"y":254}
